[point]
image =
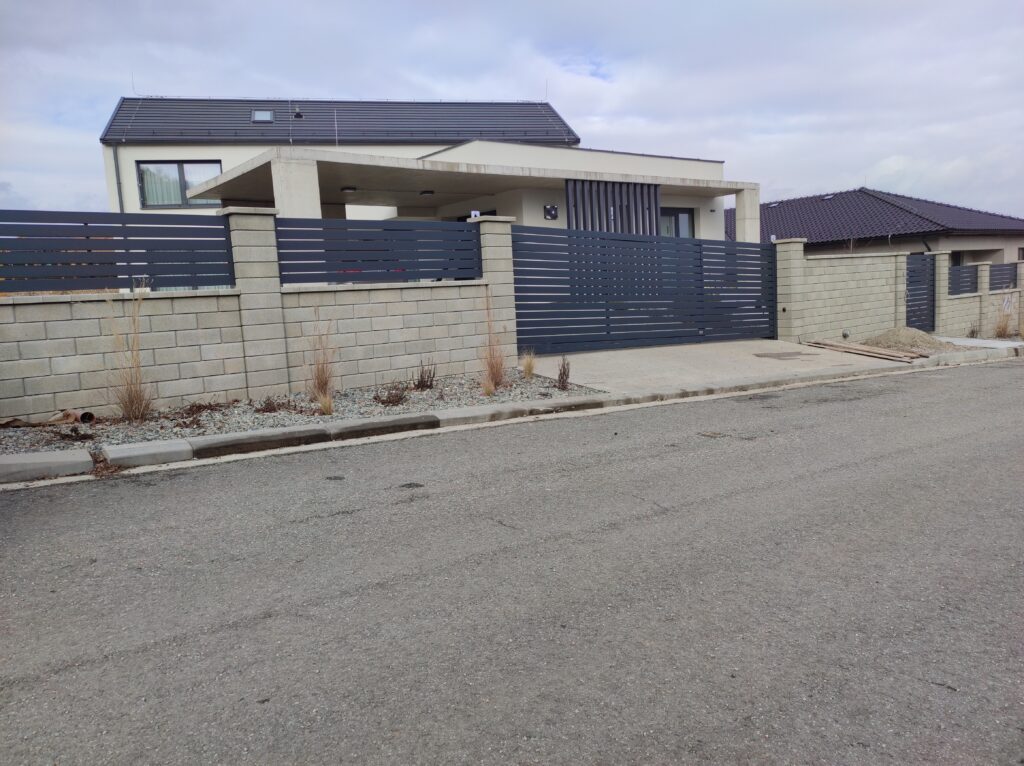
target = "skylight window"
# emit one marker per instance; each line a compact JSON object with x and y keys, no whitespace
{"x":262,"y":115}
{"x":828,"y":196}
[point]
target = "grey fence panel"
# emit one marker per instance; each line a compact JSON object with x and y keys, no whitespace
{"x":963,"y":280}
{"x":921,"y":292}
{"x":76,"y":251}
{"x":1002,"y":276}
{"x":578,"y":290}
{"x":312,"y":250}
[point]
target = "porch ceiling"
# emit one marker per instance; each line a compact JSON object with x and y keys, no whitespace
{"x":398,"y":181}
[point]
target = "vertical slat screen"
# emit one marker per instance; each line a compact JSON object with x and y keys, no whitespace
{"x":619,"y":208}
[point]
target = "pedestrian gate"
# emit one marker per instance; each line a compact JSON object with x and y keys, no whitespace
{"x":921,"y":291}
{"x":585,"y":290}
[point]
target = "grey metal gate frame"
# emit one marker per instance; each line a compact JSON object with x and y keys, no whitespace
{"x":921,"y":291}
{"x":581,"y":290}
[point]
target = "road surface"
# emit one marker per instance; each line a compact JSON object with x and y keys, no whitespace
{"x":830,"y":574}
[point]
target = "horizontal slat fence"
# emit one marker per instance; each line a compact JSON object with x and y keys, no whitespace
{"x":313,"y":250}
{"x":76,"y":251}
{"x":582,"y":290}
{"x":1002,"y":276}
{"x":963,"y":280}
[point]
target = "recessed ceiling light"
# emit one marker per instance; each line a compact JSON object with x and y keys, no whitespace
{"x":426,"y":192}
{"x":348,"y":189}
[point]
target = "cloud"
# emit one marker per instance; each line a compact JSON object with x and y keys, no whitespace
{"x":803,"y":96}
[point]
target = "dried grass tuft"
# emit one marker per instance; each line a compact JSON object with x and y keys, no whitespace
{"x":321,"y":367}
{"x":392,"y":394}
{"x":562,"y":382}
{"x":495,"y":375}
{"x":1002,"y":329}
{"x":133,"y":397}
{"x":423,"y":380}
{"x":528,"y":361}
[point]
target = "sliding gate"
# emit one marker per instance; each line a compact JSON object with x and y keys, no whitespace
{"x":583,"y":290}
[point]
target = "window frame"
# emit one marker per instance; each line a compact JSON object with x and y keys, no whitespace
{"x":185,"y":203}
{"x":675,"y":212}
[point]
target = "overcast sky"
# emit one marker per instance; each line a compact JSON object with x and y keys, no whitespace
{"x":921,"y":98}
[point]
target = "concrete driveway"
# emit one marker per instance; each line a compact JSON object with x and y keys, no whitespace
{"x":705,"y":365}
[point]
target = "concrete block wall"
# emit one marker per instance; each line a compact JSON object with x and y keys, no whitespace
{"x":821,"y":297}
{"x":978,"y":313}
{"x":58,"y":351}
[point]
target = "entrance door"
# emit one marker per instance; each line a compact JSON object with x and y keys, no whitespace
{"x":676,"y":222}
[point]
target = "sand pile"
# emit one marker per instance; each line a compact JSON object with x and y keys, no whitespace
{"x":908,"y":339}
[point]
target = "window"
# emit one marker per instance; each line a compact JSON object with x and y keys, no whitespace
{"x":262,"y":115}
{"x":676,"y":222}
{"x":164,"y":184}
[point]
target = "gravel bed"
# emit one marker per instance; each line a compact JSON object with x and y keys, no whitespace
{"x":297,"y":409}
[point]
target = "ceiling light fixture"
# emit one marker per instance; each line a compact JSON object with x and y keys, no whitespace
{"x":427,"y":193}
{"x":348,"y":189}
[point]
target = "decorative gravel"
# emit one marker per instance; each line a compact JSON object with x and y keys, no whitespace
{"x":297,"y":409}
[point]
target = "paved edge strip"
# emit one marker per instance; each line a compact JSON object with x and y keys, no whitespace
{"x":30,"y":466}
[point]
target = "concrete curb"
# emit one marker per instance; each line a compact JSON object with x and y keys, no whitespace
{"x":44,"y":465}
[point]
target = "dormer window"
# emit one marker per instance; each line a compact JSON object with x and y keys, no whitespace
{"x":262,"y":115}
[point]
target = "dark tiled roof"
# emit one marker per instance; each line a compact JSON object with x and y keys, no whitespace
{"x":219,"y":121}
{"x":869,"y":214}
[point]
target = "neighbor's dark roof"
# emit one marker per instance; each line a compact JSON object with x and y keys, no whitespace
{"x":869,"y":214}
{"x":218,"y":121}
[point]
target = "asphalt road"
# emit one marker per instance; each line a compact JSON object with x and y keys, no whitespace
{"x":825,"y":575}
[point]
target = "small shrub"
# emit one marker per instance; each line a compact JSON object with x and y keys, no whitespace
{"x":487,"y":385}
{"x":321,"y":367}
{"x":562,"y":382}
{"x":972,"y":332}
{"x":267,"y":406}
{"x":133,"y":397}
{"x":1002,"y":329}
{"x":425,"y":375}
{"x":528,"y":361}
{"x":392,"y":394}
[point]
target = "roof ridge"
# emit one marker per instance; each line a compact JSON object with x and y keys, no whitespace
{"x":882,"y":196}
{"x":808,"y":196}
{"x":339,"y":100}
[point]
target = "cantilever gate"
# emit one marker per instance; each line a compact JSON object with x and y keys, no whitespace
{"x":921,"y":291}
{"x":584,"y":290}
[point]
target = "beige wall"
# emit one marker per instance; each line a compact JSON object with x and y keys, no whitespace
{"x":230,"y":156}
{"x":993,"y":248}
{"x":253,"y":340}
{"x":579,"y":160}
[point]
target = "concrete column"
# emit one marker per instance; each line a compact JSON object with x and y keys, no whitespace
{"x":257,"y":278}
{"x":985,"y":320}
{"x":900,"y":290}
{"x":941,"y":289}
{"x":496,"y":258}
{"x":789,"y":276}
{"x":296,"y":188}
{"x":748,"y":215}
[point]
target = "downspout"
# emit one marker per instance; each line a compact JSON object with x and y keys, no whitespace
{"x":117,"y":178}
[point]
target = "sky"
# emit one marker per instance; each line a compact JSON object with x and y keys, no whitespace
{"x":918,"y":98}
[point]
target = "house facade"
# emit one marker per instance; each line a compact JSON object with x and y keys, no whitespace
{"x":871,"y":221}
{"x":414,"y":160}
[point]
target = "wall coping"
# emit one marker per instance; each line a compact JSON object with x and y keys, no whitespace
{"x":790,"y":241}
{"x":9,"y":300}
{"x":285,"y":289}
{"x":240,"y":210}
{"x":492,"y":219}
{"x":828,"y":256}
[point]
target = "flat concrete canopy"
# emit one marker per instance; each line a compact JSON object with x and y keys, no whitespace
{"x":400,"y":181}
{"x":705,"y":365}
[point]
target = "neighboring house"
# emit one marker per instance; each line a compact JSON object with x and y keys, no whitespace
{"x":419,"y":160}
{"x":866,"y":220}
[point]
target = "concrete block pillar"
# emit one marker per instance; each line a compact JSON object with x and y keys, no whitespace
{"x":941,"y":289}
{"x":296,"y":188}
{"x":257,"y":278}
{"x":748,"y":215}
{"x":1020,"y":299}
{"x":789,"y":276}
{"x":899,"y":290}
{"x":496,"y":259}
{"x":986,"y":321}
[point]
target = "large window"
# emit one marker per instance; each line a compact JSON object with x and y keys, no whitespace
{"x":164,"y":184}
{"x":676,"y":222}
